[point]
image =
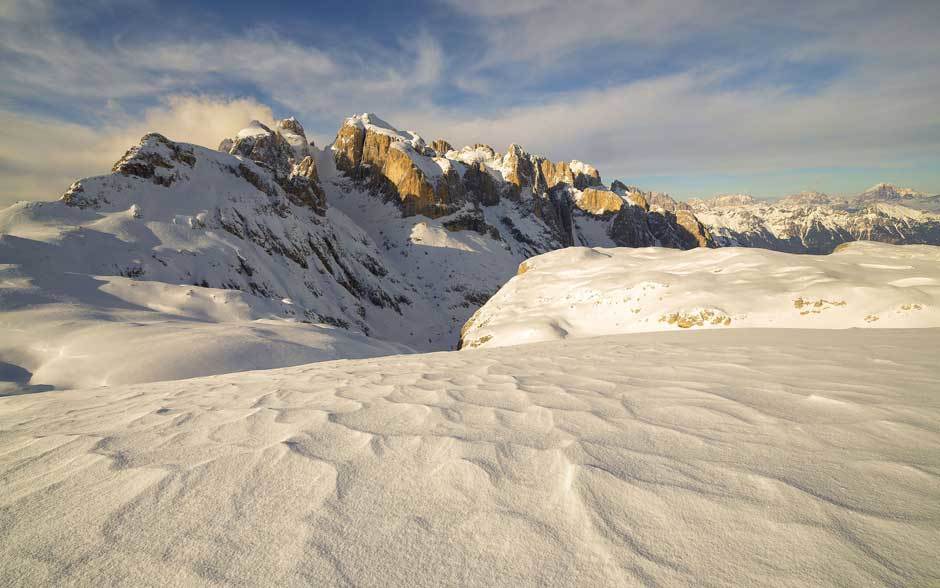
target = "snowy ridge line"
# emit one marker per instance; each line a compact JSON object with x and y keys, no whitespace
{"x":580,"y":292}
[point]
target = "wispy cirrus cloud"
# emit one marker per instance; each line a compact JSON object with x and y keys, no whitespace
{"x":664,"y":88}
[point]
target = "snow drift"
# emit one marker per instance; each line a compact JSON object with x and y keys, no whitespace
{"x":678,"y":459}
{"x":580,"y":292}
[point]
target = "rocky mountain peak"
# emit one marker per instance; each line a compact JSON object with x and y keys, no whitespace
{"x":888,"y":193}
{"x":290,"y":125}
{"x":261,"y":144}
{"x":441,"y":147}
{"x":287,"y":154}
{"x":599,"y":200}
{"x":293,"y":133}
{"x":254,"y":128}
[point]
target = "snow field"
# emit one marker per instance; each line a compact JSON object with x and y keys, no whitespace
{"x":693,"y":458}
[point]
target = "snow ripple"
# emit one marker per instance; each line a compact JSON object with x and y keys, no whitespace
{"x":666,"y":458}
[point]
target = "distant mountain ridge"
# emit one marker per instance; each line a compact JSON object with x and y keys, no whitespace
{"x":813,"y":222}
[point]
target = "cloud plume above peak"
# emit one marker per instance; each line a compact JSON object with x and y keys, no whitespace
{"x":41,"y":157}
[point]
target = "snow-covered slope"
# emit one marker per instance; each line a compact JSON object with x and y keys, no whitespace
{"x":73,"y":330}
{"x":672,"y":459}
{"x":581,"y":292}
{"x":161,"y":269}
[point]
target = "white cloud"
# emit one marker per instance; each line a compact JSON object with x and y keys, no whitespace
{"x":40,"y":158}
{"x":694,"y":119}
{"x":686,"y":123}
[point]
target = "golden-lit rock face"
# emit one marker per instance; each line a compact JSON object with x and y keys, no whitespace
{"x":599,"y":201}
{"x":347,"y":148}
{"x":562,"y":172}
{"x":441,"y":147}
{"x":375,"y":148}
{"x":639,"y":200}
{"x":308,"y":168}
{"x":390,"y":165}
{"x":695,"y":229}
{"x":402,"y":167}
{"x":542,"y":174}
{"x":414,"y":189}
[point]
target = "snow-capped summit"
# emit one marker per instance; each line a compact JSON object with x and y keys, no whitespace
{"x":371,"y":122}
{"x":812,"y":222}
{"x":293,"y":132}
{"x":809,"y":198}
{"x":261,"y":144}
{"x":889,"y":193}
{"x":722,"y":201}
{"x":254,"y":129}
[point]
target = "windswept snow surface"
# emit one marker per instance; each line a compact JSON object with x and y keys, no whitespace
{"x":582,"y":292}
{"x":71,"y":330}
{"x":676,"y":459}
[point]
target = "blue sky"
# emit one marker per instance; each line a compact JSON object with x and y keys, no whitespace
{"x":690,"y":97}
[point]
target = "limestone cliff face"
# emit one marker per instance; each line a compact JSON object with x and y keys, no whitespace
{"x":586,"y":175}
{"x":303,"y":186}
{"x":577,"y":174}
{"x":697,"y":234}
{"x":479,"y":182}
{"x":399,"y":166}
{"x":653,"y":218}
{"x":630,"y":228}
{"x":293,"y":132}
{"x":441,"y":147}
{"x":522,"y":170}
{"x":541,"y":174}
{"x":347,"y":149}
{"x":599,"y":201}
{"x":437,"y":181}
{"x":554,"y":209}
{"x":417,"y":193}
{"x":375,"y":148}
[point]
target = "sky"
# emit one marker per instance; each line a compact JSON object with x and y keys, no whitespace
{"x":694,"y":98}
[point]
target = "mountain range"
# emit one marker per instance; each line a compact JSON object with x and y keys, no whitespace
{"x":812,"y":222}
{"x":381,"y":232}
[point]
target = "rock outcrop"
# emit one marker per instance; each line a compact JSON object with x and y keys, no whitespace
{"x":262,"y":145}
{"x":293,"y":133}
{"x":399,"y":165}
{"x":599,"y":201}
{"x":441,"y":147}
{"x":540,"y":174}
{"x":287,"y":154}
